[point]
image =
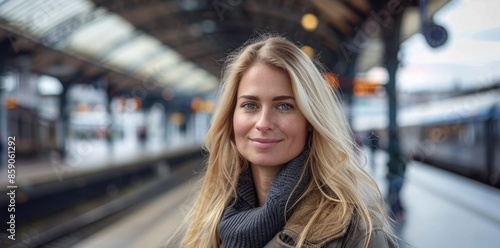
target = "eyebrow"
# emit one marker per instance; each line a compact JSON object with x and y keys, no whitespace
{"x":277,"y":98}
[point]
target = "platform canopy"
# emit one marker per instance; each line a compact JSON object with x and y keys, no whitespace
{"x":181,"y":44}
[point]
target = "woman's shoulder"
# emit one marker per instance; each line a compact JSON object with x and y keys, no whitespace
{"x":356,"y":236}
{"x":331,"y":227}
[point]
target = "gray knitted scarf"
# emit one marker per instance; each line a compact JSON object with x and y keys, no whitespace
{"x":245,"y":225}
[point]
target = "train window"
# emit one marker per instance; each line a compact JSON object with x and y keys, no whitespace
{"x":439,"y":134}
{"x":479,"y":129}
{"x":428,"y":133}
{"x":467,"y":136}
{"x":456,"y":127}
{"x":456,"y":130}
{"x":496,"y":131}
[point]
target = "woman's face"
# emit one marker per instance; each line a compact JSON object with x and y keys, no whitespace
{"x":269,"y":128}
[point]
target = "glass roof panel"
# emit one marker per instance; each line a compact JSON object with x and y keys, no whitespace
{"x":108,"y":31}
{"x":61,"y":12}
{"x":38,"y":17}
{"x":199,"y":81}
{"x":163,"y":62}
{"x":174,"y":75}
{"x":78,"y":28}
{"x":16,"y":10}
{"x":127,"y":55}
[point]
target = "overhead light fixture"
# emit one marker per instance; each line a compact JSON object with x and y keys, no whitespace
{"x":309,"y":51}
{"x":309,"y":22}
{"x":48,"y":85}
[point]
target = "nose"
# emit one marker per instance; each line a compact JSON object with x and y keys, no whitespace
{"x":265,"y":120}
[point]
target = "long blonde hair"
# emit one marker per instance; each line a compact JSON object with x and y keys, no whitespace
{"x":334,"y":164}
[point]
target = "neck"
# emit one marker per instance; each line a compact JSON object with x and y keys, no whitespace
{"x":263,"y":178}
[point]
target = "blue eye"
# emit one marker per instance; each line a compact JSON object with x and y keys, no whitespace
{"x":248,"y":106}
{"x":284,"y":106}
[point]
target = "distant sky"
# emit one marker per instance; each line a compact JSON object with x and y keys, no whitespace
{"x":470,"y":58}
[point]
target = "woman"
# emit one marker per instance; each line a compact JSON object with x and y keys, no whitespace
{"x":282,"y":170}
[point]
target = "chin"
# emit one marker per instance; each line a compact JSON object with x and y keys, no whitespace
{"x":266,"y":162}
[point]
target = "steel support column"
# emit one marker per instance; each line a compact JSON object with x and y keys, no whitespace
{"x":63,"y":121}
{"x":110,"y":139}
{"x":396,"y":164}
{"x":6,"y":49}
{"x":349,"y":89}
{"x":64,"y":114}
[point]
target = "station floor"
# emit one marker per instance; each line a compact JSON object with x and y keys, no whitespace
{"x":442,"y":210}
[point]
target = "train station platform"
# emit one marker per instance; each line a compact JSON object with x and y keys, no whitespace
{"x":442,"y":210}
{"x":91,"y":188}
{"x":88,"y":156}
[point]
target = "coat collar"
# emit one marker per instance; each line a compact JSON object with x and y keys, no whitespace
{"x":327,"y":227}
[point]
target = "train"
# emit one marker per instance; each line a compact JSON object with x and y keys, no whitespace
{"x":457,"y":134}
{"x":37,"y":135}
{"x":33,"y":134}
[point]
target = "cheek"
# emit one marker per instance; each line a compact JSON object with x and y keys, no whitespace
{"x":298,"y":128}
{"x":239,"y":127}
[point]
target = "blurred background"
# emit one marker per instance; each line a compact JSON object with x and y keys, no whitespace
{"x":105,"y":104}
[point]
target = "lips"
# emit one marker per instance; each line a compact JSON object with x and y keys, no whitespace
{"x":264,"y":143}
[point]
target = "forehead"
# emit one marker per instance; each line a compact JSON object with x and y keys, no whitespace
{"x":263,"y":79}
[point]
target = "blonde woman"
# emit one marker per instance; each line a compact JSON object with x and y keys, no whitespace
{"x":282,"y":170}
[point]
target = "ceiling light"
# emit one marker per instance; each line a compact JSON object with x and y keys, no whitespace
{"x":309,"y":22}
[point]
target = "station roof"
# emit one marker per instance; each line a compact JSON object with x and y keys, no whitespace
{"x":177,"y":44}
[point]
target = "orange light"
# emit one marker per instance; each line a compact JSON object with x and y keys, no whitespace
{"x":309,"y":51}
{"x":82,"y":107}
{"x":364,"y":87}
{"x":197,"y":104}
{"x":138,"y":103}
{"x":177,"y":119}
{"x":332,"y":80}
{"x":208,"y":106}
{"x":11,"y":103}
